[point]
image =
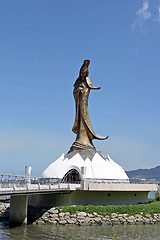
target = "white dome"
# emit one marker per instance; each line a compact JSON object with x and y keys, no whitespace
{"x":98,"y":167}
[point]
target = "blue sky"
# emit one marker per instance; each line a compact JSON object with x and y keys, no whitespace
{"x":42,"y":46}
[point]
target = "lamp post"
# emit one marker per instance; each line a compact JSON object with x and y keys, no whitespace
{"x":28,"y":173}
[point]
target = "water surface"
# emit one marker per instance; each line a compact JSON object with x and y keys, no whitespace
{"x":103,"y":232}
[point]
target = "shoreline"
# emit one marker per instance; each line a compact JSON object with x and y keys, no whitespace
{"x":58,"y":217}
{"x":74,"y":215}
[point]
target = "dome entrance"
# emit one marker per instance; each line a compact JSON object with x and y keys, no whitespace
{"x":72,"y":176}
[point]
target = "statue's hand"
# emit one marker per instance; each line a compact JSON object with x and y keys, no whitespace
{"x":90,"y":85}
{"x":95,"y":88}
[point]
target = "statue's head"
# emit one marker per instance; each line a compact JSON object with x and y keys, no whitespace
{"x":87,"y":62}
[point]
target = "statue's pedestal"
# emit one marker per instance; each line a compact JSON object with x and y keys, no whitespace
{"x":92,"y":179}
{"x":86,"y":164}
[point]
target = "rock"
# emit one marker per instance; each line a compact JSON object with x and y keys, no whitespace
{"x":131,"y":218}
{"x":71,"y":220}
{"x":90,"y":215}
{"x":63,"y":222}
{"x":53,"y":211}
{"x":120,"y":218}
{"x":67,"y":214}
{"x":147,"y":220}
{"x":87,"y":219}
{"x":107,"y":217}
{"x":40,"y":222}
{"x":98,"y":220}
{"x":113,"y":215}
{"x":131,"y":222}
{"x":95,"y":214}
{"x":45,"y":219}
{"x":138,"y":221}
{"x":2,"y":207}
{"x":138,"y":216}
{"x":156,"y":216}
{"x":51,"y":221}
{"x":115,"y":221}
{"x":73,"y":215}
{"x":61,"y":215}
{"x":108,"y":222}
{"x":85,"y":223}
{"x":125,"y":215}
{"x":154,"y":221}
{"x":120,"y":215}
{"x":53,"y":216}
{"x":122,"y":221}
{"x":46,"y":214}
{"x":81,"y":214}
{"x":80,"y":220}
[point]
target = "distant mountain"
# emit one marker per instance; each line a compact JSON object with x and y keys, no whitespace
{"x":146,"y":175}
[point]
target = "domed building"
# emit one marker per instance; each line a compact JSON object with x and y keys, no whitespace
{"x":90,"y":165}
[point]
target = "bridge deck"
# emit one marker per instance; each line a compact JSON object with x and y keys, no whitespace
{"x":37,"y":189}
{"x":13,"y":185}
{"x":21,"y":185}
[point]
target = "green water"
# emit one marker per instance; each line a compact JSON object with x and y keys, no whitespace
{"x":46,"y":232}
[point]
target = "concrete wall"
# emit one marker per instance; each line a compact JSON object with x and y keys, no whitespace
{"x":18,"y":210}
{"x":88,"y":198}
{"x":122,"y":187}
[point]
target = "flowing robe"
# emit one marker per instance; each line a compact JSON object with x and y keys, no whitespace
{"x":82,"y":125}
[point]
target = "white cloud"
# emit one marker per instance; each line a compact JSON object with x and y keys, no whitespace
{"x":157,"y":19}
{"x":159,"y":14}
{"x":142,"y":14}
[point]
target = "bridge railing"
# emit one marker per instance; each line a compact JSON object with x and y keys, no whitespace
{"x":8,"y":180}
{"x":15,"y":183}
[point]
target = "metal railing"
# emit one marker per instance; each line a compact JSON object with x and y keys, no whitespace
{"x":16,"y":183}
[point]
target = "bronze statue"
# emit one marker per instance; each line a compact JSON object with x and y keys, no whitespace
{"x":82,"y":125}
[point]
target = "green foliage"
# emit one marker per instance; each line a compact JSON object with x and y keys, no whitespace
{"x":143,"y":209}
{"x":4,"y":198}
{"x":157,"y":196}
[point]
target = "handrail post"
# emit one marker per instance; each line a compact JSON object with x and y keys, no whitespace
{"x":39,"y":187}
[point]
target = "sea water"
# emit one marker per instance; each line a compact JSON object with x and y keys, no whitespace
{"x":103,"y":232}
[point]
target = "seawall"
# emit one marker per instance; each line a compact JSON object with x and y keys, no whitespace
{"x":58,"y":217}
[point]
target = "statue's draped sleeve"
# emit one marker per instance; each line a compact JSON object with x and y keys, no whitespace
{"x":76,"y":125}
{"x":82,"y":125}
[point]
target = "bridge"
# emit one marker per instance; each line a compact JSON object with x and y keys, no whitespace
{"x":20,"y":185}
{"x":51,"y":191}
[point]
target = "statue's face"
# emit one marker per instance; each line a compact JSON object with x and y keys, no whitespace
{"x":87,"y":62}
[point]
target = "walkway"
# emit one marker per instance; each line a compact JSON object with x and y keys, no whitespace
{"x":14,"y":184}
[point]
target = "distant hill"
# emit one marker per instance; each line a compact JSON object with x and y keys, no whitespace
{"x":151,"y":174}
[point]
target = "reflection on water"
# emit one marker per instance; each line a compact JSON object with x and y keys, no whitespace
{"x":46,"y":232}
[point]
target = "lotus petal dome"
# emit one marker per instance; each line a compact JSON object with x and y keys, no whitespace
{"x":97,"y":167}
